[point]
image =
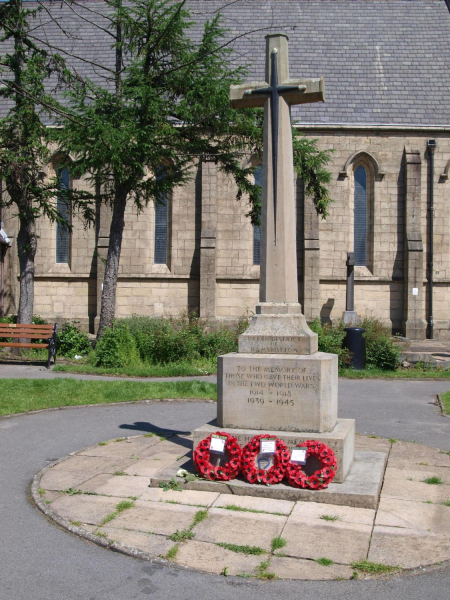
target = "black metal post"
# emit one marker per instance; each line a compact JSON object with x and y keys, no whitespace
{"x":431,"y":145}
{"x":350,"y":292}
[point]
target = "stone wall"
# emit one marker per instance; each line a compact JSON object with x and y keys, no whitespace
{"x":210,"y":260}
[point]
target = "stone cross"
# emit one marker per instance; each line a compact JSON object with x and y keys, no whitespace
{"x":278,"y":281}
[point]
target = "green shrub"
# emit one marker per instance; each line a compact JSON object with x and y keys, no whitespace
{"x":381,"y":352}
{"x":330,"y":340}
{"x":116,"y":348}
{"x":169,"y":340}
{"x":37,"y":320}
{"x":217,"y":342}
{"x":72,"y":341}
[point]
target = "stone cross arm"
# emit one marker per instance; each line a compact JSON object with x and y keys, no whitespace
{"x":306,"y":91}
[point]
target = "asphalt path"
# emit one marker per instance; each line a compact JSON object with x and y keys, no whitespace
{"x":40,"y":561}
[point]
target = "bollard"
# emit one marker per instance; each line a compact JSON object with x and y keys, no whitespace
{"x":356,"y":343}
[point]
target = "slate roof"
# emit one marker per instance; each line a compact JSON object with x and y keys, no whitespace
{"x":385,"y":62}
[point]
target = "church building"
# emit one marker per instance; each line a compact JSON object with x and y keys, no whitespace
{"x":387,"y":120}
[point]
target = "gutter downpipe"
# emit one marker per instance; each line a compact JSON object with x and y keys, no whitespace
{"x":431,"y":146}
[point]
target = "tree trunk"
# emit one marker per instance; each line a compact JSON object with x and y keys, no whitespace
{"x":108,"y":305}
{"x":26,"y":250}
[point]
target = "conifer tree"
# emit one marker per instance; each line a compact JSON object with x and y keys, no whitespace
{"x":25,"y":69}
{"x":163,"y":104}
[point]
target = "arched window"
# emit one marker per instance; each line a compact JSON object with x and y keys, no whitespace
{"x":161,"y":224}
{"x":62,"y":230}
{"x":256,"y":229}
{"x":360,"y":217}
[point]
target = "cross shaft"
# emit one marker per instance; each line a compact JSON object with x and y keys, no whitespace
{"x":274,"y":91}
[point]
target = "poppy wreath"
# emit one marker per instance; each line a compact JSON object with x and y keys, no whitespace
{"x":223,"y":472}
{"x":272,"y":475}
{"x":320,"y":478}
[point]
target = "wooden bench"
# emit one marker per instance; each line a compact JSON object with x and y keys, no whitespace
{"x":26,"y":332}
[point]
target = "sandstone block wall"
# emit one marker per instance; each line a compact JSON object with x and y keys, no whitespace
{"x":210,"y":249}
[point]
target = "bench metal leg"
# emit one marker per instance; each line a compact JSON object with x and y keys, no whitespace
{"x":51,"y":352}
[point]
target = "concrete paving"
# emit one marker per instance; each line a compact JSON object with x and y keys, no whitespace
{"x":311,"y":530}
{"x":44,"y":562}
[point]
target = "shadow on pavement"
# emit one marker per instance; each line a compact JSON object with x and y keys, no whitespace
{"x":175,"y":435}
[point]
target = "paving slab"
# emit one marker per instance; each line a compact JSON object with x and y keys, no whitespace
{"x":123,"y":449}
{"x":150,"y":467}
{"x":94,"y":464}
{"x":261,"y":504}
{"x":155,"y":517}
{"x":189,"y":497}
{"x":58,"y":479}
{"x":306,"y":512}
{"x":213,"y":559}
{"x":242,"y":529}
{"x":407,"y":548}
{"x":417,"y":473}
{"x":342,"y":542}
{"x":296,"y":568}
{"x":371,"y":444}
{"x":85,"y":509}
{"x":123,"y":486}
{"x":48,"y":496}
{"x":414,"y":515}
{"x":155,"y":545}
{"x":175,"y":446}
{"x":404,"y":452}
{"x":416,"y":491}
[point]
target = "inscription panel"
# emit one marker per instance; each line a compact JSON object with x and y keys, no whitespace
{"x":273,"y":344}
{"x":285,"y":393}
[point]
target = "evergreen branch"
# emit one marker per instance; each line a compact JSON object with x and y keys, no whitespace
{"x":47,"y":104}
{"x":67,"y":53}
{"x":107,"y":31}
{"x":94,"y":12}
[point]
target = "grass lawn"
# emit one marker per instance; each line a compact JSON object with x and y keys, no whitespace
{"x":181,"y":369}
{"x":22,"y":395}
{"x":445,"y":398}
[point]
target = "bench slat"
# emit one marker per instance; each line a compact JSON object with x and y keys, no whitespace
{"x":19,"y":345}
{"x":24,"y":335}
{"x":29,"y":325}
{"x":18,"y":329}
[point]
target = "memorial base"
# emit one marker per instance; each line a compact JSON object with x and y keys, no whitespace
{"x":341,"y":440}
{"x":361,"y":489}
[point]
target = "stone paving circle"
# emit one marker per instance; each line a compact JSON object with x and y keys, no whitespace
{"x":102,"y":493}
